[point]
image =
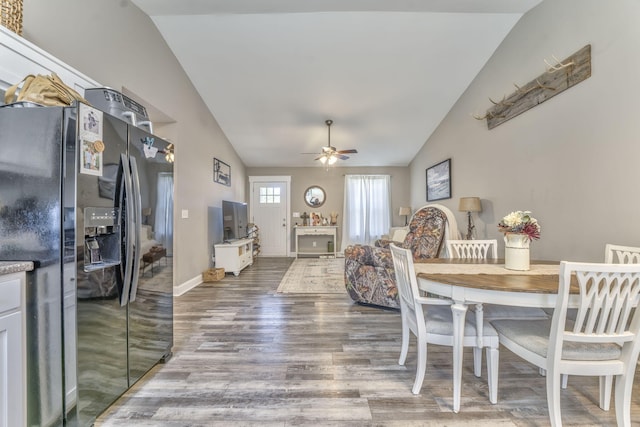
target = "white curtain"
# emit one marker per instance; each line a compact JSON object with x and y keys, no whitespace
{"x":163,"y":225}
{"x":367,"y":208}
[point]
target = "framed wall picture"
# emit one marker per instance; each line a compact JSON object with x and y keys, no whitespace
{"x":439,"y":181}
{"x":221,"y":172}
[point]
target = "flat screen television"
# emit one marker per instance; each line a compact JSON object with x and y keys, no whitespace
{"x":235,"y":218}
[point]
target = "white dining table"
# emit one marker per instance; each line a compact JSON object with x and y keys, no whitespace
{"x":476,"y":282}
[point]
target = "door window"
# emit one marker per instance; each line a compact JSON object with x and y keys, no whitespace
{"x":269,"y":195}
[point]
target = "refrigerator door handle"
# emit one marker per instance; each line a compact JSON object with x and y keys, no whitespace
{"x":138,"y":228}
{"x":128,"y":186}
{"x":131,"y":116}
{"x":146,"y":123}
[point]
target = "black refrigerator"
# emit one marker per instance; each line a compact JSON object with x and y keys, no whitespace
{"x":88,"y":198}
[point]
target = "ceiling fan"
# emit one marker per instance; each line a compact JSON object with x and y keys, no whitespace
{"x":329,"y":154}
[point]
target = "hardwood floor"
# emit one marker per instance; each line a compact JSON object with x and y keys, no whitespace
{"x":245,"y":356}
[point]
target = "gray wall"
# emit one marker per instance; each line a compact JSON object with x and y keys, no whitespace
{"x":332,"y":181}
{"x":572,"y":160}
{"x":116,"y":44}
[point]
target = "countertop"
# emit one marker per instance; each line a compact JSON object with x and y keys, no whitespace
{"x":8,"y":267}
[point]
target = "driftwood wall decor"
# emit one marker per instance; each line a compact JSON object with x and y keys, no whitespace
{"x":558,"y":77}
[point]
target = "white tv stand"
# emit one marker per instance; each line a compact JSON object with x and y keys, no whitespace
{"x":235,"y":255}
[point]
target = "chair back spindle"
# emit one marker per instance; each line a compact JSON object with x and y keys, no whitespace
{"x":606,"y":304}
{"x":473,"y":249}
{"x":618,"y":254}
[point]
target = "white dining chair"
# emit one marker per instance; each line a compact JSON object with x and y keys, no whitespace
{"x":602,"y":340}
{"x":431,"y":321}
{"x":617,"y":254}
{"x":475,"y":249}
{"x":613,"y":254}
{"x":488,"y":249}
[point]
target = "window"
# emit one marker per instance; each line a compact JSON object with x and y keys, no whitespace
{"x":164,"y":211}
{"x":367,"y":208}
{"x":269,"y":195}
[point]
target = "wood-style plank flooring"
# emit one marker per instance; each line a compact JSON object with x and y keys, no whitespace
{"x":246,"y":356}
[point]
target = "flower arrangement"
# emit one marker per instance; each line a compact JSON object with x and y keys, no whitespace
{"x":520,"y":222}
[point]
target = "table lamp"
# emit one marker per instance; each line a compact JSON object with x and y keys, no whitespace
{"x":468,"y":205}
{"x":146,"y":213}
{"x":405,"y":212}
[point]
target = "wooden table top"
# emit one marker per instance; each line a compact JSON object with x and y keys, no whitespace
{"x":510,"y":281}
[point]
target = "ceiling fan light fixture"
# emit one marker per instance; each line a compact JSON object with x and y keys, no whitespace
{"x":329,"y":155}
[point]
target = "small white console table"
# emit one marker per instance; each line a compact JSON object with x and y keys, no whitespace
{"x":234,"y":256}
{"x":319,"y":231}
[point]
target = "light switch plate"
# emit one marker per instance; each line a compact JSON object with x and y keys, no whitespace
{"x":185,"y":213}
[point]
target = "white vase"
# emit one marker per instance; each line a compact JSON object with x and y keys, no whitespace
{"x":516,"y":251}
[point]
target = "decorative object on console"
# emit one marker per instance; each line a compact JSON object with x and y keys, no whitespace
{"x":316,"y":218}
{"x":519,"y":229}
{"x":405,"y":212}
{"x":334,"y":218}
{"x":305,"y":219}
{"x":221,"y":172}
{"x":468,"y":205}
{"x":439,"y":181}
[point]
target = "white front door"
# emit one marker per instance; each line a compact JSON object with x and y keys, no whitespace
{"x":270,"y":212}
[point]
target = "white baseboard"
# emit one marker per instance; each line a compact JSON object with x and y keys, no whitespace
{"x":187,"y":286}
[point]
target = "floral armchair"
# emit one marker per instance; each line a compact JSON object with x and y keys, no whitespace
{"x":368,"y":270}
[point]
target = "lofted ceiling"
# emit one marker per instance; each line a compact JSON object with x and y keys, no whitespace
{"x":385,"y":71}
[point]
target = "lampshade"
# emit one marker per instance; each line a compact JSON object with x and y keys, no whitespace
{"x":404,"y":211}
{"x":470,"y":204}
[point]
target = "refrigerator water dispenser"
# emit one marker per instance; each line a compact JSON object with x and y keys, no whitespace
{"x":101,"y":238}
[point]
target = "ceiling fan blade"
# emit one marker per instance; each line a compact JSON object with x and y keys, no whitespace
{"x":320,"y":157}
{"x":341,"y":157}
{"x":350,"y":151}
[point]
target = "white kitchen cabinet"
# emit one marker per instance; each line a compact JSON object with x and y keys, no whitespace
{"x":19,"y":57}
{"x":234,"y":256}
{"x":12,"y":351}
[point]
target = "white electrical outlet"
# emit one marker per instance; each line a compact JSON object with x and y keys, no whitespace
{"x":185,"y":213}
{"x":314,"y":244}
